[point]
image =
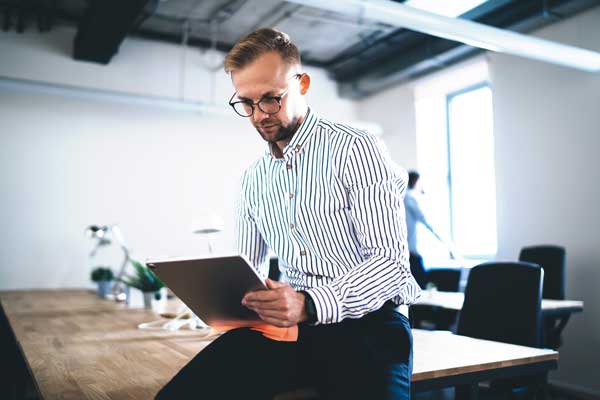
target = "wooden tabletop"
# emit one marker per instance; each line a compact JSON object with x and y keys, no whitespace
{"x":441,"y":353}
{"x":79,"y":346}
{"x":455,"y":300}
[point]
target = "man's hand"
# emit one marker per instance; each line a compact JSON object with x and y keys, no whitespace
{"x":280,"y":306}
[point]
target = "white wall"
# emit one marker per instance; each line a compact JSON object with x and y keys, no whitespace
{"x":394,"y":110}
{"x":68,"y":161}
{"x":547,"y":129}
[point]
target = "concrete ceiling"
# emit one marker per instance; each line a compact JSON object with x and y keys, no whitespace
{"x":363,"y":56}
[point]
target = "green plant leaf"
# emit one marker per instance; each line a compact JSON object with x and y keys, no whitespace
{"x":144,"y":279}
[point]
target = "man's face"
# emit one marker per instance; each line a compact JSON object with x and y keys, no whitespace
{"x":269,"y":76}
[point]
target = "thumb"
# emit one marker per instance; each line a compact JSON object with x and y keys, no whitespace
{"x":271,"y":284}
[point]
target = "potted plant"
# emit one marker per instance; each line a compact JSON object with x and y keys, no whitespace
{"x":154,"y":290}
{"x":103,"y":276}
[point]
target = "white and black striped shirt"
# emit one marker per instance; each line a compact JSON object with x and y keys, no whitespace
{"x":332,"y":211}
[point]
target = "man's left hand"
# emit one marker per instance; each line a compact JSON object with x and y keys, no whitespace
{"x":280,"y":305}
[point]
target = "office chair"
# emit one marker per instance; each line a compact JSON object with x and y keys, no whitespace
{"x":417,"y":269}
{"x":503,"y":303}
{"x":552,"y":260}
{"x":444,"y":279}
{"x":431,"y":317}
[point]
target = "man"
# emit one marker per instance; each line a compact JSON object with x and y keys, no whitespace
{"x":415,"y":215}
{"x":327,"y":200}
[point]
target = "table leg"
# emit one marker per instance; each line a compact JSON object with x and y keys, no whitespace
{"x":467,"y":392}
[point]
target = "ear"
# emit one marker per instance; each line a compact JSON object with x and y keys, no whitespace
{"x":304,"y":83}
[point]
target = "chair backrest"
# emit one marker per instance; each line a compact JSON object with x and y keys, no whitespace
{"x":503,"y":303}
{"x":444,"y":279}
{"x":552,"y":259}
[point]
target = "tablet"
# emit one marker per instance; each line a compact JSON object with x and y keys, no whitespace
{"x":212,"y":288}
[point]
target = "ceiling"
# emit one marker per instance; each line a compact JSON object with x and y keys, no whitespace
{"x":363,"y":56}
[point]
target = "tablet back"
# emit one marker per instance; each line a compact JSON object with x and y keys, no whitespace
{"x":211,"y":287}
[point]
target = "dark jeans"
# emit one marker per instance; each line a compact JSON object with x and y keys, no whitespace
{"x":367,"y":358}
{"x":417,"y":269}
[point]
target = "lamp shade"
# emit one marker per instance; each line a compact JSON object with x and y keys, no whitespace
{"x":209,"y":223}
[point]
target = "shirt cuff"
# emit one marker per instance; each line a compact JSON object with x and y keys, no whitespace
{"x":327,"y":305}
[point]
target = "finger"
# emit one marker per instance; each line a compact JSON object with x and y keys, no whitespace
{"x":275,"y":314}
{"x":271,"y":284}
{"x":282,"y":314}
{"x":266,"y":305}
{"x":262,"y":295}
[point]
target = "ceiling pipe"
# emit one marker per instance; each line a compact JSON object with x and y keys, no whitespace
{"x":464,"y":31}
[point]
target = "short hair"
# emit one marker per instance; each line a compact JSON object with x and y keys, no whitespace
{"x":413,"y":177}
{"x":257,"y":43}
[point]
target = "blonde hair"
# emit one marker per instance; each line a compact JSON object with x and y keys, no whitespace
{"x":257,"y":43}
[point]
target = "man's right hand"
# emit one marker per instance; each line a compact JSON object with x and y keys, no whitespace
{"x":280,"y":306}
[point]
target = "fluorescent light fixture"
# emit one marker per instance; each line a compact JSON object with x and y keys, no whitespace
{"x":464,"y":31}
{"x":447,"y":8}
{"x":112,"y":96}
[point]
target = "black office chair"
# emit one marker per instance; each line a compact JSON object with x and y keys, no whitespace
{"x":503,"y":303}
{"x":417,"y":269}
{"x":552,"y":259}
{"x":430,"y":317}
{"x":444,"y":279}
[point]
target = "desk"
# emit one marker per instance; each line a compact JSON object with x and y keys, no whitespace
{"x":77,"y":346}
{"x":454,"y":301}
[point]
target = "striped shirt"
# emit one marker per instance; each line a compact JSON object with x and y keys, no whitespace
{"x":332,"y":211}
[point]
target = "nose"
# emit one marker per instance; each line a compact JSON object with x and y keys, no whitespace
{"x":259,"y":115}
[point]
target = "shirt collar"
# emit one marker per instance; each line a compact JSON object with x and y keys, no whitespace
{"x":304,"y":132}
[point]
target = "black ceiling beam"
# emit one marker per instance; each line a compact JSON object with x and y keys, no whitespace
{"x":105,"y":25}
{"x":202,"y":43}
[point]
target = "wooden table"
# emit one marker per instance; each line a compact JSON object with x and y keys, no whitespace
{"x":454,"y":301}
{"x":76,"y":346}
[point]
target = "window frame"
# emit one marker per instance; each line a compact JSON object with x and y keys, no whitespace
{"x":449,"y":97}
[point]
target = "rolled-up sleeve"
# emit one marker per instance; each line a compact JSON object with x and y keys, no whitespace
{"x":375,"y":187}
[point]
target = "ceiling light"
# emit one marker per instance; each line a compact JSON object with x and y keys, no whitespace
{"x":114,"y":96}
{"x":444,"y":7}
{"x":464,"y":31}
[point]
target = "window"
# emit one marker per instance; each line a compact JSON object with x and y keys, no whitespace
{"x":472,"y":184}
{"x":455,"y":156}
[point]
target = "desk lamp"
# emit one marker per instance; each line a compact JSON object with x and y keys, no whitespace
{"x":100,"y":233}
{"x":209,"y":225}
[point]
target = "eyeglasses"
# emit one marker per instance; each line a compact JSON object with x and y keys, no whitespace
{"x":267,"y":104}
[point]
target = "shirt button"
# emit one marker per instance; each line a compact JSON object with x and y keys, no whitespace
{"x":302,"y":253}
{"x":291,"y":195}
{"x":298,"y":147}
{"x":292,"y":226}
{"x":288,"y":166}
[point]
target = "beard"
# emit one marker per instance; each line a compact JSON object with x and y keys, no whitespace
{"x":282,"y":133}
